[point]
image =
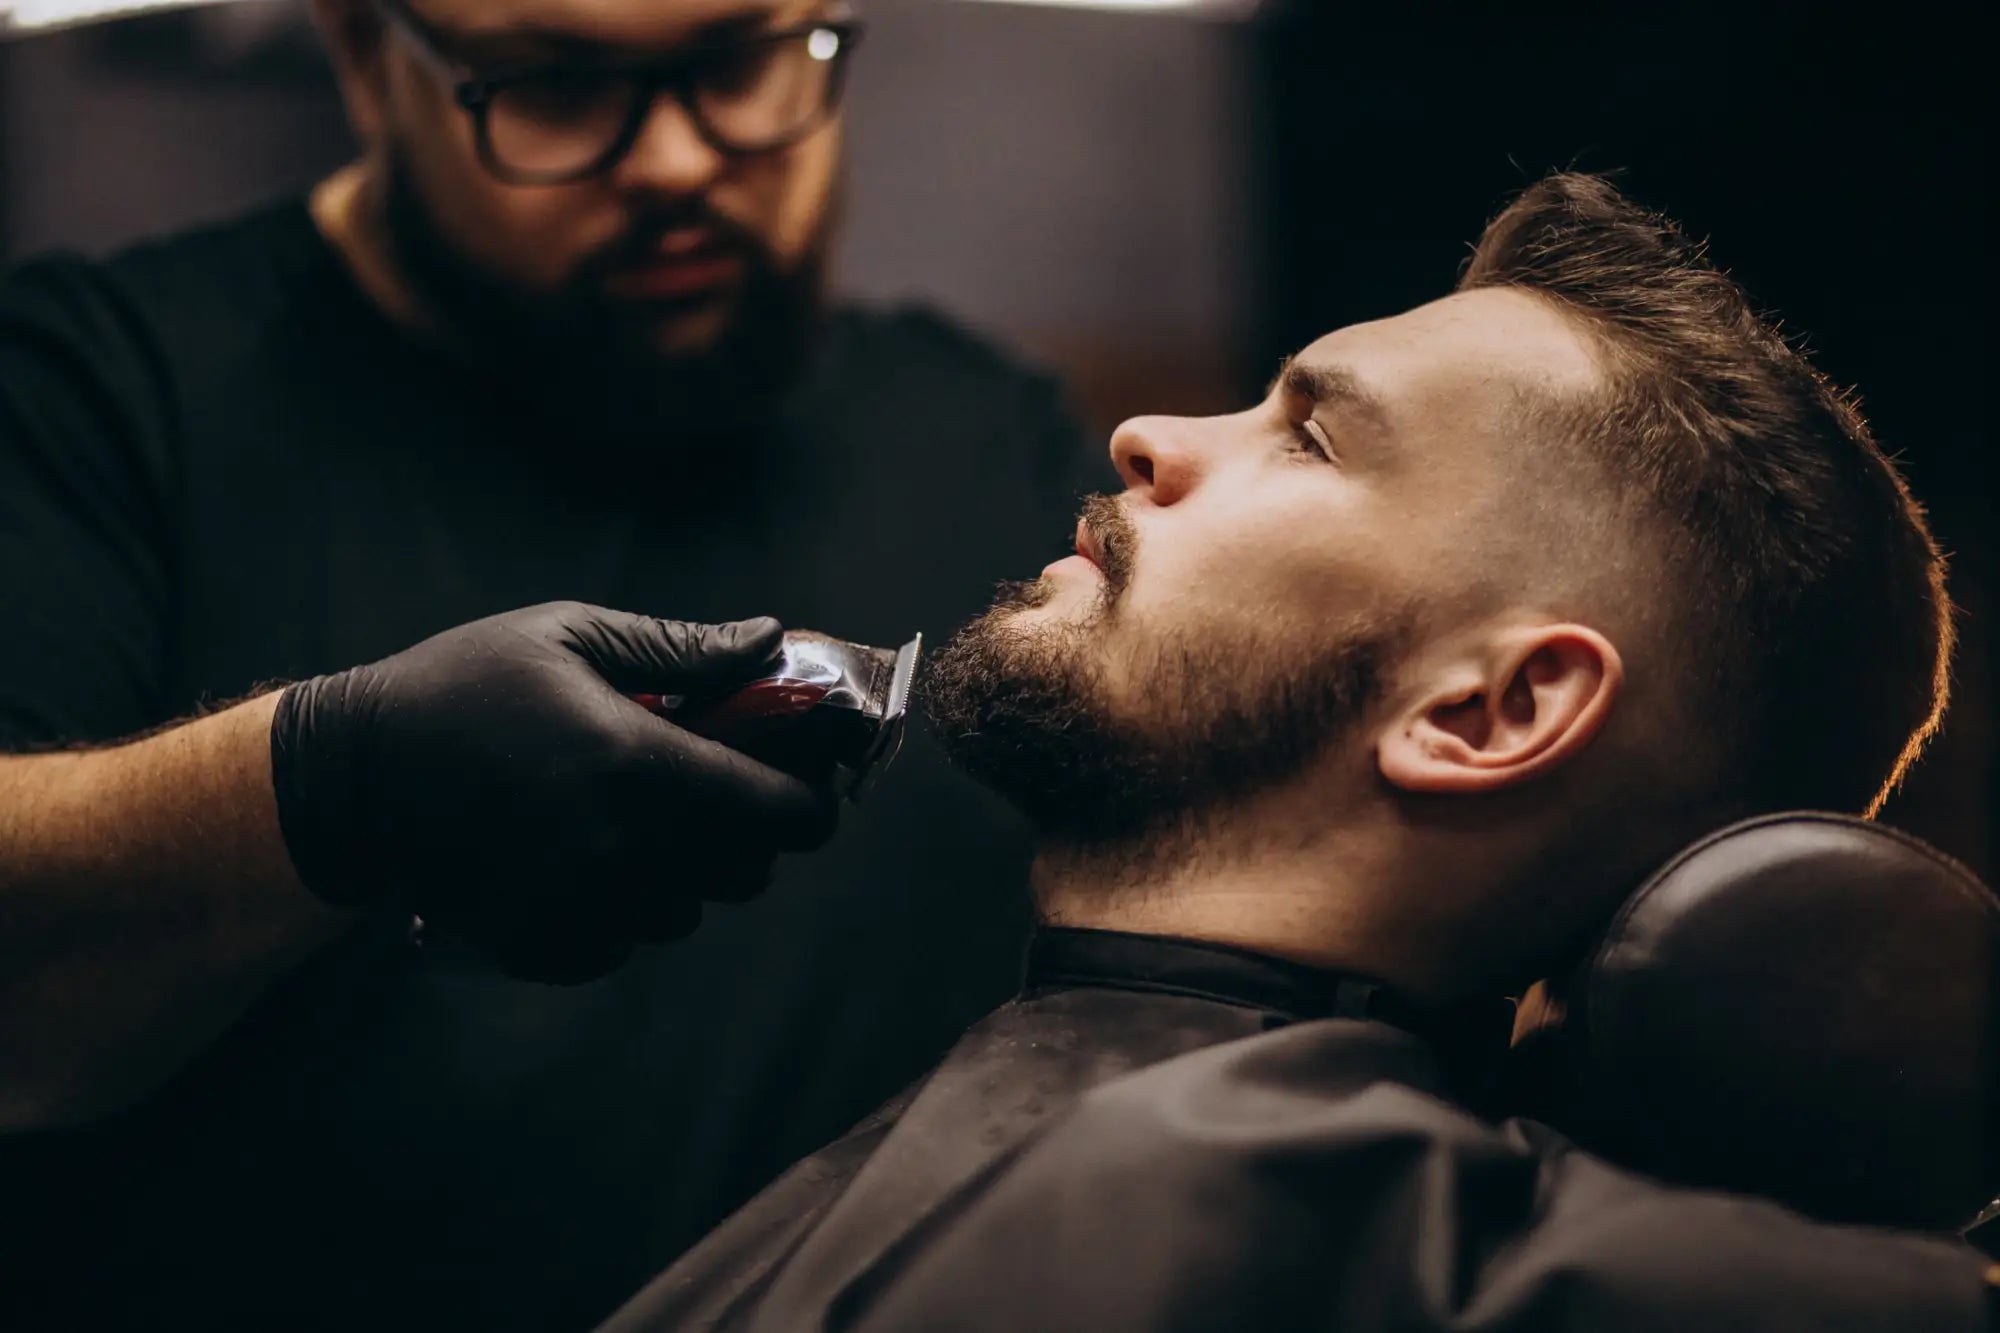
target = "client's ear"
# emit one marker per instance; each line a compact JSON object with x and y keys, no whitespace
{"x":1528,"y":702}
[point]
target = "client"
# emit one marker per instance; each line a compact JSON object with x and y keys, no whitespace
{"x":1357,"y":711}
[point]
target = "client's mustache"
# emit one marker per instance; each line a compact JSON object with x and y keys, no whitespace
{"x":1117,"y":538}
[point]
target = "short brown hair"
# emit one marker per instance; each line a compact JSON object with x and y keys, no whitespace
{"x":1809,"y":587}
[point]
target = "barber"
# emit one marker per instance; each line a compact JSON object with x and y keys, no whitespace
{"x":520,"y":414}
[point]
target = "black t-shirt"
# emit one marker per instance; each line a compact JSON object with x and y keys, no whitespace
{"x":220,"y":466}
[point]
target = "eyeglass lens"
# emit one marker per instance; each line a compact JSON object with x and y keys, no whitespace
{"x":562,"y":120}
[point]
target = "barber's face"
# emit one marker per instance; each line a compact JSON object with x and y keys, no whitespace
{"x":667,"y":241}
{"x":1253,"y":591}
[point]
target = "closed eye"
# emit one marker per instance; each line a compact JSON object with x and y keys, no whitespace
{"x":1311,"y":439}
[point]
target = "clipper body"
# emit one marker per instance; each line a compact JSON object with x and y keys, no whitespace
{"x":826,"y":703}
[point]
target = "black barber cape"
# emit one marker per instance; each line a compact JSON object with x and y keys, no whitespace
{"x":220,"y":466}
{"x":1161,"y":1135}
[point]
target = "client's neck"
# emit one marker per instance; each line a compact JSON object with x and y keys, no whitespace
{"x":1326,"y":900}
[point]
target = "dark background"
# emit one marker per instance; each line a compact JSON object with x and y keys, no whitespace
{"x":1162,"y":204}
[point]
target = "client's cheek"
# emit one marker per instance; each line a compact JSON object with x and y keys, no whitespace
{"x":1125,"y":695}
{"x":1129,"y":645}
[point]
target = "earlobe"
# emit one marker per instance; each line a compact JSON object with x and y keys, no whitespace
{"x":1529,"y":703}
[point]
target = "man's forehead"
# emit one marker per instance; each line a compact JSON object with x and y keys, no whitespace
{"x":643,"y":23}
{"x":1489,"y":344}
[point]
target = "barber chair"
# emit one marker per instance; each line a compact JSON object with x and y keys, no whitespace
{"x":1803,"y":1006}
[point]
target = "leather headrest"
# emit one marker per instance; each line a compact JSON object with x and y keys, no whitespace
{"x":1801,"y":1006}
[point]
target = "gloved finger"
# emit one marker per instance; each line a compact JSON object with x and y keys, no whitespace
{"x":816,"y":830}
{"x":737,"y":883}
{"x":736,"y":795}
{"x":659,"y":912}
{"x":796,"y":751}
{"x":809,"y":820}
{"x":644,"y":654}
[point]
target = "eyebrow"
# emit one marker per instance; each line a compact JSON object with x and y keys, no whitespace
{"x":1331,"y":386}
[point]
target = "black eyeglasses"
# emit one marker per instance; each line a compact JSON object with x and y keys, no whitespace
{"x":548,"y":124}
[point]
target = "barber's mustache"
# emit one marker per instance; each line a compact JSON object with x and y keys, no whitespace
{"x":639,"y":242}
{"x":1117,"y":539}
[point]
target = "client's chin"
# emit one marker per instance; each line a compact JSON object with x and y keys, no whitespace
{"x":1015,"y":699}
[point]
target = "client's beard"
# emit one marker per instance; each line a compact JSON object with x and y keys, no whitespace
{"x":590,"y":363}
{"x":1026,"y":709}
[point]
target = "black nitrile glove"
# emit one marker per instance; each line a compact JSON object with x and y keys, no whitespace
{"x":496,"y":781}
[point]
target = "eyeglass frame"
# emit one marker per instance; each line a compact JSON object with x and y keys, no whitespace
{"x":474,"y":92}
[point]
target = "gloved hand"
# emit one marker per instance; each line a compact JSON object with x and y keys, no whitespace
{"x":495,"y":780}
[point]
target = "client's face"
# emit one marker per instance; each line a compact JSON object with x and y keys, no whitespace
{"x":1232,"y":620}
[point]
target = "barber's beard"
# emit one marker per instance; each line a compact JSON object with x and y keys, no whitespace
{"x":592,"y":363}
{"x":1213,"y":719}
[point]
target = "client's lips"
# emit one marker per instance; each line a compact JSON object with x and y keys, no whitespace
{"x":1087,"y":545}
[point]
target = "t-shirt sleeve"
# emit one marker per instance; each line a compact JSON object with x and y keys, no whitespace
{"x":1297,"y":1181}
{"x":85,"y":586}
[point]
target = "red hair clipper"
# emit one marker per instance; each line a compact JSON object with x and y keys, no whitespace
{"x":825,"y":705}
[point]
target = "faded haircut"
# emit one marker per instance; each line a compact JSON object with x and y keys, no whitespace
{"x":1808,"y":594}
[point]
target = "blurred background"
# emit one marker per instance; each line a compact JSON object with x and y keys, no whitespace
{"x":1160,"y":199}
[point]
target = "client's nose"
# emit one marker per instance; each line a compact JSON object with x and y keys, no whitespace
{"x":1156,"y":458}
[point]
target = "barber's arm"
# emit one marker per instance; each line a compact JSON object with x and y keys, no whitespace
{"x":145,"y":899}
{"x":494,"y":779}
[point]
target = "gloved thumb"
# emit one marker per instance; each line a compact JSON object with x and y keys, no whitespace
{"x":636,"y":653}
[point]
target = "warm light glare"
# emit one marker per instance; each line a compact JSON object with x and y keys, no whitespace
{"x":26,"y":15}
